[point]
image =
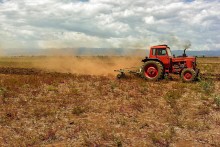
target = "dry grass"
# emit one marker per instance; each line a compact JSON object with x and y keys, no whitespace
{"x":58,"y":109}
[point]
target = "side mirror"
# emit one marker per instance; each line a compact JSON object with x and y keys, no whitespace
{"x":174,"y":56}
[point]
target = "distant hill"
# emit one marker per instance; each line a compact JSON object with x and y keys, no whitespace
{"x":96,"y":52}
{"x":198,"y":53}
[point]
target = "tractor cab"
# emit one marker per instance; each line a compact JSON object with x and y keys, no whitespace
{"x":161,"y":50}
{"x":161,"y":53}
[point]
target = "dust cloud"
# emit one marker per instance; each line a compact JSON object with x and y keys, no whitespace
{"x":97,"y":65}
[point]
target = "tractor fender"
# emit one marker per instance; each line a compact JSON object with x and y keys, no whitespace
{"x":154,"y":59}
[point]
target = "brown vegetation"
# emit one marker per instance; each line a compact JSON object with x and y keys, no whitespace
{"x":61,"y":109}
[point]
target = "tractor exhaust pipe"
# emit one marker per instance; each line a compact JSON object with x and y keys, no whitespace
{"x":184,"y":53}
{"x":186,"y":45}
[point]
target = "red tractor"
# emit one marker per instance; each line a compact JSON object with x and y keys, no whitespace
{"x":161,"y":62}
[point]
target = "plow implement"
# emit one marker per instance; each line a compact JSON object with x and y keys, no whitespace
{"x":133,"y":70}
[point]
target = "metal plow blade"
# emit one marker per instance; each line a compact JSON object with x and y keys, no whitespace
{"x":133,"y":70}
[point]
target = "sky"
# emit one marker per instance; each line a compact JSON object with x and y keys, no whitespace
{"x":135,"y":24}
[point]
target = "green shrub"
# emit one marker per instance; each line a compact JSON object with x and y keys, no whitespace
{"x":52,"y":88}
{"x":207,"y":86}
{"x":217,"y":101}
{"x":172,"y":96}
{"x":3,"y":94}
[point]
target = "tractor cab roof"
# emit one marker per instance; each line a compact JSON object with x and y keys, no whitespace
{"x":160,"y":46}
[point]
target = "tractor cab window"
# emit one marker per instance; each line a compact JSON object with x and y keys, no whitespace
{"x":169,"y":52}
{"x":154,"y":51}
{"x":161,"y":52}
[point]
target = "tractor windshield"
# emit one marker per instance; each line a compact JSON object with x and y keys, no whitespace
{"x":169,"y":52}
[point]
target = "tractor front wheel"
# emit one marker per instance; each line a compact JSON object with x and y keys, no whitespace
{"x":152,"y":71}
{"x":188,"y":75}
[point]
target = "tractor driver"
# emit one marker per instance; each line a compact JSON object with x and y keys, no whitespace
{"x":161,"y":52}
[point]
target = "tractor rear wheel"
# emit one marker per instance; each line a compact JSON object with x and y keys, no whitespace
{"x":152,"y":71}
{"x":188,"y":75}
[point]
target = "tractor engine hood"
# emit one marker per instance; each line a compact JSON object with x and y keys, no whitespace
{"x":189,"y":62}
{"x":179,"y":59}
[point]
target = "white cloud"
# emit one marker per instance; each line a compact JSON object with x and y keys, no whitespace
{"x":108,"y":23}
{"x":149,"y":20}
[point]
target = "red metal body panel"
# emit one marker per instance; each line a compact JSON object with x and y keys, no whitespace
{"x":160,"y":46}
{"x":188,"y":60}
{"x":164,"y":58}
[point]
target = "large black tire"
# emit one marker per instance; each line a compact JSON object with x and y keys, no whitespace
{"x":188,"y":75}
{"x":152,"y":71}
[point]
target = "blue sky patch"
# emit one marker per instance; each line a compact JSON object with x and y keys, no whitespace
{"x":189,"y":0}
